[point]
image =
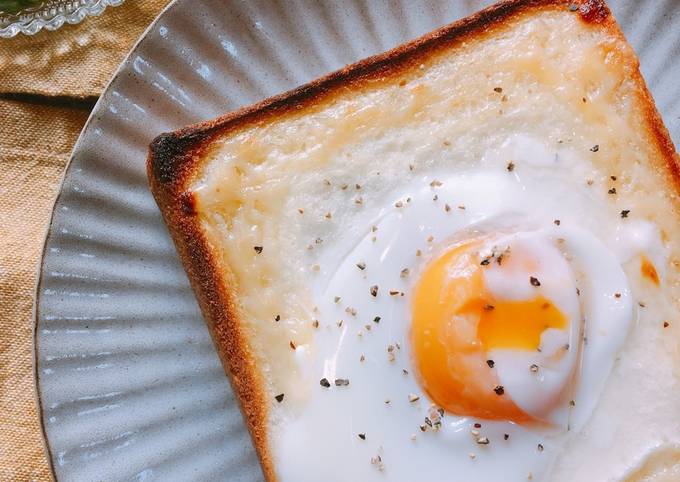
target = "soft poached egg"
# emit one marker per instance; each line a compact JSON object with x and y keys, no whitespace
{"x":471,"y":328}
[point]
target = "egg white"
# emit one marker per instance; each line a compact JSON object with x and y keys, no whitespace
{"x":379,"y":400}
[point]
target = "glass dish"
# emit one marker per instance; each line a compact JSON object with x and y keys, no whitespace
{"x":31,"y":16}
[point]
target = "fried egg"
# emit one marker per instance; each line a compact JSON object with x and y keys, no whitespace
{"x":471,"y":328}
{"x":497,"y":326}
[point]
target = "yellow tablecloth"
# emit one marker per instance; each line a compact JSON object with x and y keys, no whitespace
{"x":48,"y":84}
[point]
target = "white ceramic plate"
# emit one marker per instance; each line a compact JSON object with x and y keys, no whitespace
{"x":130,"y":386}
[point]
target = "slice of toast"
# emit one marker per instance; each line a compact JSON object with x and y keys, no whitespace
{"x":245,"y":195}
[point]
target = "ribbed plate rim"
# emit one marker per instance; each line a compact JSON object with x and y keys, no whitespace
{"x":101,"y":102}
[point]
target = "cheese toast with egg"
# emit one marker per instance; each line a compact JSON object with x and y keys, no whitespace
{"x":274,"y":206}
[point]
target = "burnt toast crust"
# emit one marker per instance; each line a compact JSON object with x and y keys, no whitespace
{"x":175,"y":158}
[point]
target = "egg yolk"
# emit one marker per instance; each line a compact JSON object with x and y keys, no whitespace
{"x":456,"y":322}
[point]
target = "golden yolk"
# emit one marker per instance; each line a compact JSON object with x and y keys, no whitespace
{"x":456,"y":322}
{"x":517,"y":324}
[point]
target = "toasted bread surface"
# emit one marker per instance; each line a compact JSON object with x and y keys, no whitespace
{"x":177,"y":165}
